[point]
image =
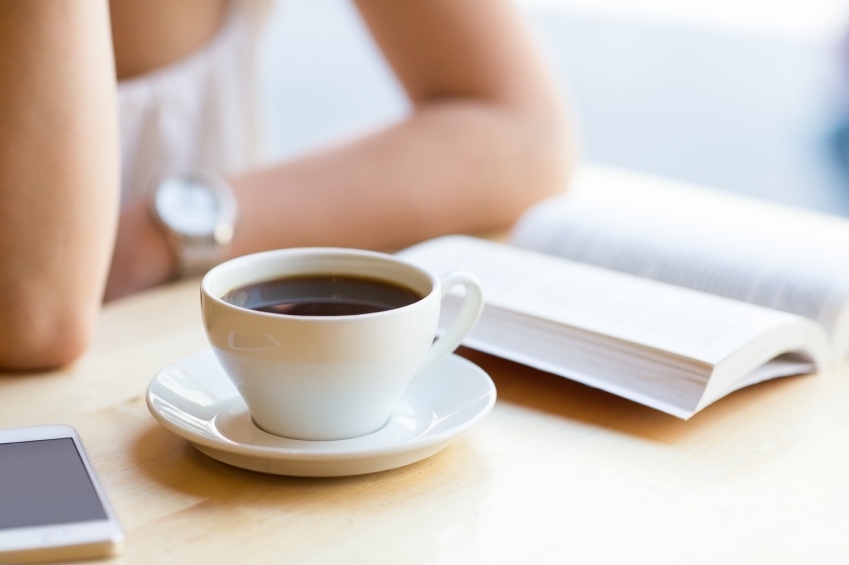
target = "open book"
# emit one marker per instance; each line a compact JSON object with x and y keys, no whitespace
{"x":666,"y":294}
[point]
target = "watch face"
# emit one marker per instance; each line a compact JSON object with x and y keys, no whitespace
{"x":187,"y":206}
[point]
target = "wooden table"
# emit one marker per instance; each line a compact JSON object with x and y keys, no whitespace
{"x":558,"y":472}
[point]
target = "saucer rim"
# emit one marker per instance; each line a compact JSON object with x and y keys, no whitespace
{"x":283,"y":453}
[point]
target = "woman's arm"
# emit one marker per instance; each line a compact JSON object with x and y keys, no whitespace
{"x":59,"y":177}
{"x":487,"y":138}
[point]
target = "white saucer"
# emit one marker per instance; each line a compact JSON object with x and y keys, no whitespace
{"x":194,"y":399}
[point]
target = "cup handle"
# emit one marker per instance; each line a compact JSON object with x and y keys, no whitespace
{"x":466,"y":319}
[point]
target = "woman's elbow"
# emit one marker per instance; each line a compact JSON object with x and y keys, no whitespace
{"x":43,"y":341}
{"x":555,"y":161}
{"x":545,"y":163}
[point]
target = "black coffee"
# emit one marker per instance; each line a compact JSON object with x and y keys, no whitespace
{"x":322,"y":295}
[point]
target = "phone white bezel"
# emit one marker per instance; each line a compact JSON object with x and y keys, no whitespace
{"x":50,"y":536}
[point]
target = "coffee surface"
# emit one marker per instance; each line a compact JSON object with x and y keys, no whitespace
{"x":322,"y":295}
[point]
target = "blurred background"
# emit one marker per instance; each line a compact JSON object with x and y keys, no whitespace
{"x":749,"y":96}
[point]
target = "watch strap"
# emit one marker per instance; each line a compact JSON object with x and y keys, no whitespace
{"x":196,"y":258}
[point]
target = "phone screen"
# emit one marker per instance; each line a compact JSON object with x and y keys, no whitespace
{"x":45,"y":482}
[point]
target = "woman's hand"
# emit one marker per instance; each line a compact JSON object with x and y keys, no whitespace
{"x":142,"y":256}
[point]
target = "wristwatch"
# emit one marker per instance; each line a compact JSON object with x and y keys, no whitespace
{"x":197,"y":210}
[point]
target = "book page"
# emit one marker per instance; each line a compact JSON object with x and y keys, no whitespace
{"x":690,"y":324}
{"x":765,"y":254}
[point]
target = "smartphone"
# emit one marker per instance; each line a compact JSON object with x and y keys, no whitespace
{"x":52,"y":506}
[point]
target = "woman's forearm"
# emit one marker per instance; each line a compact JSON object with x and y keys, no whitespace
{"x":461,"y":166}
{"x":59,"y":176}
{"x":454,"y":166}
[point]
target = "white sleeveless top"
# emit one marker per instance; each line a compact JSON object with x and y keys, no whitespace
{"x":197,"y":112}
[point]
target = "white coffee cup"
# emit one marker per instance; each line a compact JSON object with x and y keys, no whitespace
{"x":329,"y":377}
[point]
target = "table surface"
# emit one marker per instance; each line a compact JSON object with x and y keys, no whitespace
{"x":558,"y":472}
